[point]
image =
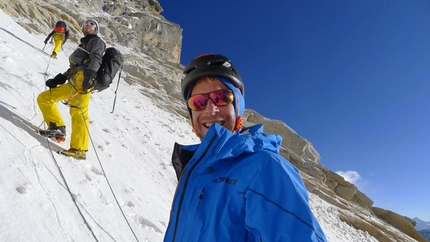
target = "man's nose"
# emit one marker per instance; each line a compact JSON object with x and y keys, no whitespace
{"x":211,"y":108}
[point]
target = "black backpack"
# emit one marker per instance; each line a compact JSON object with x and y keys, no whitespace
{"x":112,"y":62}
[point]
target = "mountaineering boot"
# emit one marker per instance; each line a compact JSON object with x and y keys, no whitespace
{"x":56,"y":133}
{"x":54,"y":55}
{"x":77,"y":154}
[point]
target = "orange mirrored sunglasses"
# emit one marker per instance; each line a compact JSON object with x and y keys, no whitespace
{"x":220,"y":97}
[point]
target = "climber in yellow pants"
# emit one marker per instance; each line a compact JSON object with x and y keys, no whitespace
{"x":80,"y":78}
{"x":59,"y":35}
{"x":78,"y":110}
{"x":58,"y":42}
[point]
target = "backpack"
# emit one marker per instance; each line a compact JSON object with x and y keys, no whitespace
{"x":112,"y":61}
{"x":60,"y":27}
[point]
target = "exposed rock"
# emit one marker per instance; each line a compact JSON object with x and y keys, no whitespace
{"x":399,"y":222}
{"x":298,"y":148}
{"x":134,"y":24}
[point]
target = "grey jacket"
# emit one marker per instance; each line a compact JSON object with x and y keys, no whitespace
{"x":88,"y":55}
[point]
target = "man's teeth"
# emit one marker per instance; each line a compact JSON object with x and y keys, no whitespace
{"x":207,"y":125}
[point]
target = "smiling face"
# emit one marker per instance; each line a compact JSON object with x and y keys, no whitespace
{"x":223,"y":115}
{"x":88,"y":28}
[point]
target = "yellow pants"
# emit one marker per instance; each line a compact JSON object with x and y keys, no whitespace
{"x":58,"y":41}
{"x":47,"y":100}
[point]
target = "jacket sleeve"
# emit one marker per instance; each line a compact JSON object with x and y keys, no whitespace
{"x":66,"y":36}
{"x":277,"y":194}
{"x":49,"y":36}
{"x":96,"y":47}
{"x":67,"y":73}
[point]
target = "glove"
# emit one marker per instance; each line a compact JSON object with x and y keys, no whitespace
{"x":89,"y":79}
{"x":51,"y":83}
{"x":57,"y":80}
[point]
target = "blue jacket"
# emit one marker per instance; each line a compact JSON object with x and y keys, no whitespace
{"x":236,"y":187}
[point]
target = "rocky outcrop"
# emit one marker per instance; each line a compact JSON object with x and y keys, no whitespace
{"x":134,"y":24}
{"x":297,"y":148}
{"x":153,"y":62}
{"x":400,"y":222}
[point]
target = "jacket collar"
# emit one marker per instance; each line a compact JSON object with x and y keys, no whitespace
{"x":220,"y":143}
{"x":87,"y":38}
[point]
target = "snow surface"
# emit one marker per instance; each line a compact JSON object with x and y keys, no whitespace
{"x":123,"y":190}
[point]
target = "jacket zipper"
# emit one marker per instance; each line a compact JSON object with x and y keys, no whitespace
{"x":185,"y":186}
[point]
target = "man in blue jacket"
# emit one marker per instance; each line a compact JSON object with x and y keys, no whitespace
{"x":234,"y":185}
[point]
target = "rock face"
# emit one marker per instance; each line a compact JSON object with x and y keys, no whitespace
{"x":398,"y":221}
{"x":134,"y":24}
{"x":153,"y":61}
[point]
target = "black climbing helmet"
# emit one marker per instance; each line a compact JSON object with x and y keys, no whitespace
{"x":61,"y":24}
{"x":210,"y":65}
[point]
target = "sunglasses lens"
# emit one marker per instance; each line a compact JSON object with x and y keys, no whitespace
{"x":198,"y":102}
{"x":90,"y":23}
{"x":219,"y":98}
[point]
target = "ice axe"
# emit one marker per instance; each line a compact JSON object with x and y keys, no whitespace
{"x":66,"y":102}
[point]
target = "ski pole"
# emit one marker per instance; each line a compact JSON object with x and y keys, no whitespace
{"x":119,"y":77}
{"x":44,"y":47}
{"x":49,"y":62}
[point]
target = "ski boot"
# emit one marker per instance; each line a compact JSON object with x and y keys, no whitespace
{"x":57,"y":134}
{"x":77,"y":154}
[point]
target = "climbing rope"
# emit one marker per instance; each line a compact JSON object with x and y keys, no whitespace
{"x":68,"y":189}
{"x":62,"y":175}
{"x":104,"y":173}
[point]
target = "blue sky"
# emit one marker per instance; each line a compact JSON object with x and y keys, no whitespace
{"x":352,"y":77}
